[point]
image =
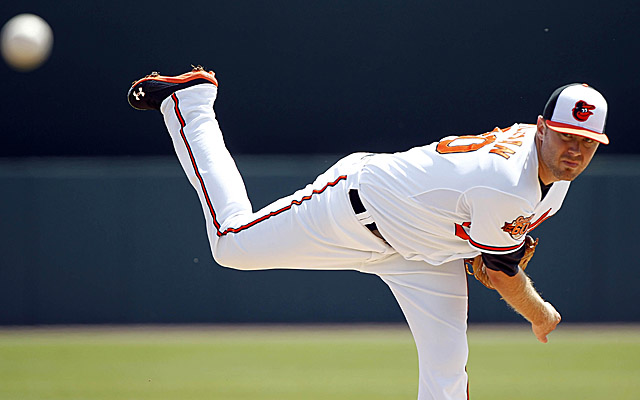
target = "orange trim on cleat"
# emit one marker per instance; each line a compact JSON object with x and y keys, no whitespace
{"x":149,"y":92}
{"x":186,"y":77}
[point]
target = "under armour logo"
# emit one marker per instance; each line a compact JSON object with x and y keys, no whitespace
{"x":139,"y":94}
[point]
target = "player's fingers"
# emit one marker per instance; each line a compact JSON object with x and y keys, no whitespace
{"x":540,"y":334}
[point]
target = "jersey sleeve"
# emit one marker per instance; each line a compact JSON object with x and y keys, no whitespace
{"x":507,"y":263}
{"x":499,"y":221}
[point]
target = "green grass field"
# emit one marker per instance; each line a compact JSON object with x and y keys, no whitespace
{"x":340,"y":362}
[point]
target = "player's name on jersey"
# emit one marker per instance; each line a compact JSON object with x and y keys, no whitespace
{"x":464,"y":144}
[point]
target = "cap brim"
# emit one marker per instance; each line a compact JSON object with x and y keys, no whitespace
{"x":578,"y":131}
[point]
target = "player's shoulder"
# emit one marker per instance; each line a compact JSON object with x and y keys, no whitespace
{"x":509,"y":163}
{"x":514,"y":135}
{"x":512,"y":145}
{"x":499,"y":142}
{"x":496,"y":150}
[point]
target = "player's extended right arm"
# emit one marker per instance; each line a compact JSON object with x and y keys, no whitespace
{"x":519,"y":293}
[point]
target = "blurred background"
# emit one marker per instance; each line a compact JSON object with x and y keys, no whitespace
{"x":99,"y":225}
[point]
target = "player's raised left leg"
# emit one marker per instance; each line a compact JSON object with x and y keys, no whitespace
{"x":313,"y":228}
{"x":186,"y":103}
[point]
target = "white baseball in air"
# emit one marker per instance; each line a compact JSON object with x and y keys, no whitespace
{"x":26,"y":42}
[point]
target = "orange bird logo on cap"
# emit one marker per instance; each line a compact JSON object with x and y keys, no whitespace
{"x":582,"y":111}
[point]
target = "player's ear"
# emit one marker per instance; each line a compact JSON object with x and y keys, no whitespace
{"x":541,"y":127}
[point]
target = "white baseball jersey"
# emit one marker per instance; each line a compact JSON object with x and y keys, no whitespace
{"x":463,"y":195}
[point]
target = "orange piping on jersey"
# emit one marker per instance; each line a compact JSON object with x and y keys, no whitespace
{"x":462,"y":234}
{"x":495,"y":248}
{"x":193,"y":162}
{"x":540,"y":220}
{"x":206,"y":193}
{"x":273,"y":213}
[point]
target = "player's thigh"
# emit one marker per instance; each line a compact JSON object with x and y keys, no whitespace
{"x":318,"y":233}
{"x":434,"y":300}
{"x":313,"y":228}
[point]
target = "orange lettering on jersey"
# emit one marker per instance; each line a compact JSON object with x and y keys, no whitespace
{"x":511,"y":142}
{"x":448,"y":146}
{"x":518,"y":227}
{"x":519,"y":133}
{"x":502,"y":151}
{"x":468,"y":143}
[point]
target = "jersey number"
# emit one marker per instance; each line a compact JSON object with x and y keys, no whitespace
{"x":465,"y":144}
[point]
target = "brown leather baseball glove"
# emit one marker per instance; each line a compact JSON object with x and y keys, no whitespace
{"x":476,"y":267}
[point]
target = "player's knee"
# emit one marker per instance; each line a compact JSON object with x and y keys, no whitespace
{"x":234,"y":259}
{"x":227,"y":260}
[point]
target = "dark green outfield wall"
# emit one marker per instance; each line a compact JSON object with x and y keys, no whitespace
{"x":322,"y":76}
{"x":123,"y":241}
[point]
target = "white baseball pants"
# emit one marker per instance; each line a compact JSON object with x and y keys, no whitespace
{"x":316,"y":228}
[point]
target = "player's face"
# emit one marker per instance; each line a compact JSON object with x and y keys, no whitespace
{"x":562,"y":157}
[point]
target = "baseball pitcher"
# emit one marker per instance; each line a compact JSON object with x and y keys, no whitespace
{"x":411,"y":218}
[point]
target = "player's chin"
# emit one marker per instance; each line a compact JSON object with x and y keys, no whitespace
{"x":568,"y":174}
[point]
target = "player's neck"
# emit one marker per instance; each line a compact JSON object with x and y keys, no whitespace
{"x":544,"y":173}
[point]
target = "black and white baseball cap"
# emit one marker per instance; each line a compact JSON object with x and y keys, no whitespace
{"x":577,"y":109}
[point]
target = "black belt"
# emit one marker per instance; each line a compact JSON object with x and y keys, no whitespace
{"x":358,"y":208}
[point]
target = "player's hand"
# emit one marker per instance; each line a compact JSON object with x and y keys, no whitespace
{"x":548,"y":323}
